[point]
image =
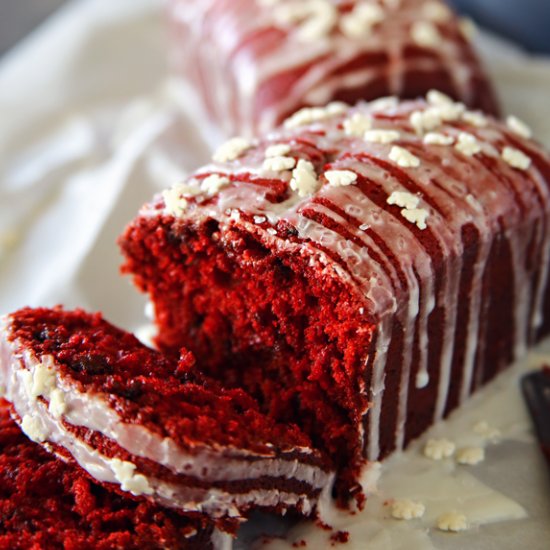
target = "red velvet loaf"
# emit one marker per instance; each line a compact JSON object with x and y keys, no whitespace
{"x":255,"y":62}
{"x":47,"y":504}
{"x":359,"y":271}
{"x":144,"y":425}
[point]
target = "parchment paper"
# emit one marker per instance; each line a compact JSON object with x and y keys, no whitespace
{"x":92,"y":125}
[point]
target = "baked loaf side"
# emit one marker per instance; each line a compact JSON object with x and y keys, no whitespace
{"x":360,"y":272}
{"x":254,"y":62}
{"x":46,"y":503}
{"x":146,"y":426}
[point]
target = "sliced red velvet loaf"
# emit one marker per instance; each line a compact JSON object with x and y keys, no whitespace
{"x":361,"y":272}
{"x":47,"y":504}
{"x":254,"y":62}
{"x":146,"y":425}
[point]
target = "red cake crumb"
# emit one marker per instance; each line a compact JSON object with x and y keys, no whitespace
{"x":340,"y":537}
{"x":299,"y":544}
{"x":46,"y":504}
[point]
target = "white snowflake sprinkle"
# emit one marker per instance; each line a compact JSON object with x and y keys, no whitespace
{"x":404,"y":158}
{"x":470,"y":455}
{"x":340,"y":178}
{"x":418,"y":216}
{"x":232,"y":149}
{"x":360,"y":21}
{"x":279,"y":164}
{"x":453,"y":522}
{"x":322,"y":19}
{"x":424,"y":121}
{"x":214,"y":183}
{"x":516,"y":158}
{"x":435,"y":138}
{"x":519,"y":127}
{"x":407,"y":509}
{"x":381,"y":136}
{"x":304,"y":179}
{"x":468,"y":144}
{"x":357,"y":124}
{"x":487,"y":432}
{"x":475,"y":119}
{"x":437,"y":98}
{"x":438,"y":449}
{"x":277,"y":150}
{"x":384,"y":104}
{"x":436,"y":11}
{"x":403,"y":199}
{"x":309,"y":115}
{"x":467,"y":27}
{"x":425,"y":34}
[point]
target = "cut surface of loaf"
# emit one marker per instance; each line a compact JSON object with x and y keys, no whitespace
{"x":46,"y":503}
{"x":360,"y":273}
{"x":147,"y":426}
{"x":254,"y":62}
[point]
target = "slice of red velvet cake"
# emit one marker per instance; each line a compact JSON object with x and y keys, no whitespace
{"x":148,"y":426}
{"x":48,"y":504}
{"x":359,"y":271}
{"x":254,"y":62}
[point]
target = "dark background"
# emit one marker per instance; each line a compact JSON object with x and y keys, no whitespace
{"x":525,"y":21}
